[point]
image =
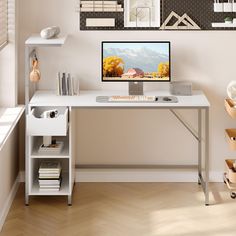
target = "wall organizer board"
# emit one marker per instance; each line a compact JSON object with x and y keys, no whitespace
{"x":157,"y":14}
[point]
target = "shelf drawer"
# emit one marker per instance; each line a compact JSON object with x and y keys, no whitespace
{"x":37,"y":126}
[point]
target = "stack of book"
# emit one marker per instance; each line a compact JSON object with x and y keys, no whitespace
{"x":50,"y":176}
{"x":100,"y":6}
{"x":65,"y":84}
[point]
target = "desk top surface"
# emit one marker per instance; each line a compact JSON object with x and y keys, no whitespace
{"x":87,"y":98}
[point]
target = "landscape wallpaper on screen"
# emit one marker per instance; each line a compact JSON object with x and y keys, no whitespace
{"x":136,"y":61}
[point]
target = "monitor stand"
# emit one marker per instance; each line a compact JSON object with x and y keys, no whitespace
{"x":135,"y":88}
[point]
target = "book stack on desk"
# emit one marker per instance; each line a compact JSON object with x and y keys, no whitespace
{"x":65,"y":84}
{"x":50,"y":176}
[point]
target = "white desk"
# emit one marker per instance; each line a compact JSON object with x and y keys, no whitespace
{"x":198,"y":101}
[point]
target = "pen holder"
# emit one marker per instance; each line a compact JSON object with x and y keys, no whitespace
{"x":228,"y":7}
{"x":218,"y":7}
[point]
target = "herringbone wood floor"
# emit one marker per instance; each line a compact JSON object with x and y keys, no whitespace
{"x":125,"y":209}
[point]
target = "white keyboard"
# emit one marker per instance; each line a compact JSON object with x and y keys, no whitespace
{"x":132,"y":98}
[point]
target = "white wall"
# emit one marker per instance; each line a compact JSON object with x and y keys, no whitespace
{"x":109,"y":137}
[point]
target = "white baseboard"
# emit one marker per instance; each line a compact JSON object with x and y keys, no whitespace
{"x":118,"y":175}
{"x":141,"y":175}
{"x":8,"y":203}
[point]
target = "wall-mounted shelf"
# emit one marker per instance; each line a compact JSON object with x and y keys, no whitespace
{"x":224,"y":25}
{"x":37,"y":41}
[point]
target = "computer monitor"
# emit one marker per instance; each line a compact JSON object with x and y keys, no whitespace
{"x":136,"y":62}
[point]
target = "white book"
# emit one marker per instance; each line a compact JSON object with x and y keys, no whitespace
{"x":49,"y":174}
{"x":49,"y":186}
{"x":41,"y":183}
{"x":50,"y":181}
{"x":100,"y":6}
{"x":72,"y":86}
{"x":99,"y":2}
{"x":101,"y":9}
{"x":52,"y":149}
{"x":52,"y":165}
{"x":49,"y":189}
{"x":58,"y":85}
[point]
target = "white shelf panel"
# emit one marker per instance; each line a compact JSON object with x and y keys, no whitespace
{"x":36,"y":40}
{"x":223,"y":25}
{"x":64,"y":190}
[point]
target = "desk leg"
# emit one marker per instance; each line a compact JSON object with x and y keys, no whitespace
{"x":207,"y":156}
{"x":199,"y":145}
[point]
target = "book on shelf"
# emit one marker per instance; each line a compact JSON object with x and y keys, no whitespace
{"x":101,"y":6}
{"x":101,"y":9}
{"x":55,"y":148}
{"x":49,"y":176}
{"x":99,"y":2}
{"x":49,"y":182}
{"x":49,"y":189}
{"x":50,"y":165}
{"x":65,"y":84}
{"x":52,"y":148}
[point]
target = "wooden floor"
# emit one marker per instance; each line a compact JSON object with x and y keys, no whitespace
{"x":126,"y":209}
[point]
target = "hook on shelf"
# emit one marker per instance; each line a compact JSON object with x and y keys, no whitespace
{"x":33,"y":55}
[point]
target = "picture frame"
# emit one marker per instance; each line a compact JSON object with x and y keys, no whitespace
{"x":142,"y":13}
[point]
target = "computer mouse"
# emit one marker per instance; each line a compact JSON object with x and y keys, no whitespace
{"x":167,"y":99}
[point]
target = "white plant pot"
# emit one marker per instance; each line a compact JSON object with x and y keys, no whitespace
{"x":234,"y":7}
{"x":228,"y":7}
{"x":218,"y":7}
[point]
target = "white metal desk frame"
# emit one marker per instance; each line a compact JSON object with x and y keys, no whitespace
{"x":198,"y":101}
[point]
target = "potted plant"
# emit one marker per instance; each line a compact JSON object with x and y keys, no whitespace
{"x":228,"y":20}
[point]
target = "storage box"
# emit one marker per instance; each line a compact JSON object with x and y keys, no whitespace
{"x":231,"y":135}
{"x":37,"y":126}
{"x":231,"y":175}
{"x":234,"y":6}
{"x":229,"y":106}
{"x":218,"y":7}
{"x":228,"y":7}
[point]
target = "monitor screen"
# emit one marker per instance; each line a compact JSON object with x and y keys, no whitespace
{"x":136,"y":61}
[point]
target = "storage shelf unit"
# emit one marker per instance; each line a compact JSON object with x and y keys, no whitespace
{"x":230,"y":175}
{"x":60,"y":128}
